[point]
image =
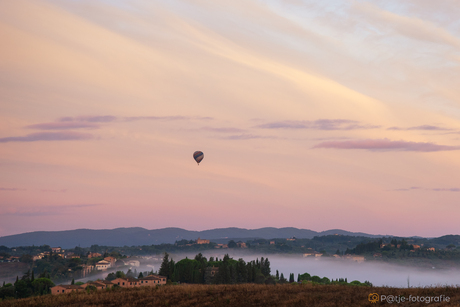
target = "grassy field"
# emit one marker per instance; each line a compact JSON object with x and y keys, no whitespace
{"x":241,"y":295}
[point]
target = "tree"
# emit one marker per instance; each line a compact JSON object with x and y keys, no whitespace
{"x":140,"y":275}
{"x":165,"y":267}
{"x":231,"y":244}
{"x":119,"y":274}
{"x":73,"y":282}
{"x":42,"y":286}
{"x":22,"y":289}
{"x":291,"y":277}
{"x":277,"y":276}
{"x":282,"y":279}
{"x":111,"y":276}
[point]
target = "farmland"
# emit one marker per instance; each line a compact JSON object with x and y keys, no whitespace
{"x":241,"y":295}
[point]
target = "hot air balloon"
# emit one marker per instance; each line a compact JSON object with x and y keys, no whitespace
{"x":198,"y":156}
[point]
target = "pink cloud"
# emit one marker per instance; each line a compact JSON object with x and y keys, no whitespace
{"x":11,"y":189}
{"x":422,"y":127}
{"x":223,"y":129}
{"x":90,"y":119}
{"x":320,"y":124}
{"x":431,"y":189}
{"x":48,"y":136}
{"x":166,"y":118}
{"x":63,"y":125}
{"x":247,"y":136}
{"x":386,"y":145}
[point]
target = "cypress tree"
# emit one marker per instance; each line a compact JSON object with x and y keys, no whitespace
{"x":73,"y":282}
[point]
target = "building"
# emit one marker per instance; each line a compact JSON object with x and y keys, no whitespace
{"x":201,"y":241}
{"x":431,"y":249}
{"x":56,"y":249}
{"x":312,"y":254}
{"x":153,"y":280}
{"x":112,"y":260}
{"x":132,"y":263}
{"x":241,"y":244}
{"x":125,"y":282}
{"x":102,"y":265}
{"x":358,"y":259}
{"x":94,"y":255}
{"x":272,"y":242}
{"x":66,"y":289}
{"x":99,"y":284}
{"x":86,"y":269}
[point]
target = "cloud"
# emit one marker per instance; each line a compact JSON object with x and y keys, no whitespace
{"x":43,"y":210}
{"x":223,"y":129}
{"x":166,"y":118}
{"x":63,"y":125}
{"x":320,"y":124}
{"x":409,"y":189}
{"x":48,"y":136}
{"x":11,"y":189}
{"x":386,"y":145}
{"x":415,"y":28}
{"x":247,"y":136}
{"x":89,"y":119}
{"x":430,"y":189}
{"x":422,"y":127}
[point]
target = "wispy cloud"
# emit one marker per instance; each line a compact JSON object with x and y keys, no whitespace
{"x":48,"y":136}
{"x":409,"y":189}
{"x":320,"y":124}
{"x":44,"y":210}
{"x":63,"y":125}
{"x":223,"y":129}
{"x":430,"y":189}
{"x":247,"y":136}
{"x":386,"y":145}
{"x":110,"y":118}
{"x":89,"y":119}
{"x":11,"y":189}
{"x":422,"y":127}
{"x":166,"y":118}
{"x":94,"y":122}
{"x":61,"y":191}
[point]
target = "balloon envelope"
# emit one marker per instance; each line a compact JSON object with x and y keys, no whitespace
{"x":198,"y":156}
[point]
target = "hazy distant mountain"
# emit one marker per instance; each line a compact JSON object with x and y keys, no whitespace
{"x":141,"y":236}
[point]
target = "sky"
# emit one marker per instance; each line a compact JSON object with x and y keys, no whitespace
{"x":311,"y":114}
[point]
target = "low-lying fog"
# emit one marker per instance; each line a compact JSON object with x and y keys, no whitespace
{"x":379,"y":274}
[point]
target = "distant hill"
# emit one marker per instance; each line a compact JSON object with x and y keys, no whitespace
{"x":141,"y":236}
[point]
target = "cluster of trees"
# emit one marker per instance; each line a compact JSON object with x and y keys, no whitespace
{"x":401,"y":249}
{"x":227,"y":270}
{"x":326,"y":281}
{"x":27,"y":286}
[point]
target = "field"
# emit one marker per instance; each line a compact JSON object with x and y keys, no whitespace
{"x":241,"y":295}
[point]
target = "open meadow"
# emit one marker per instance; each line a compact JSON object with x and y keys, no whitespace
{"x":248,"y":295}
